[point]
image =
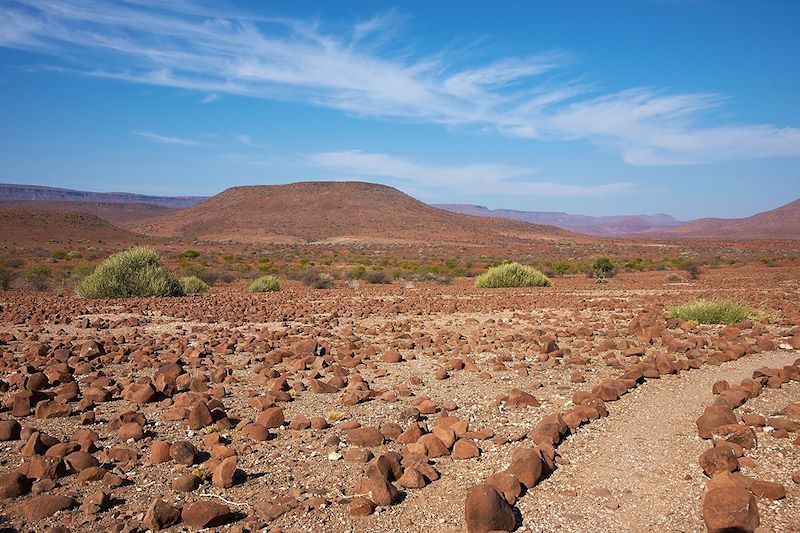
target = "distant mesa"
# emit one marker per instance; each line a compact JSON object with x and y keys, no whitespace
{"x":335,"y":212}
{"x":602,"y":226}
{"x":10,"y":192}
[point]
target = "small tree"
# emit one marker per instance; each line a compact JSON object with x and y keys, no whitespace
{"x":603,"y":268}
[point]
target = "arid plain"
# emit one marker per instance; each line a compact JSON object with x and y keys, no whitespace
{"x":403,"y":401}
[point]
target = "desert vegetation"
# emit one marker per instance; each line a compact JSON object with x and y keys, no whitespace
{"x":265,"y":284}
{"x":193,"y":285}
{"x":135,"y":272}
{"x":711,"y":312}
{"x":511,"y":275}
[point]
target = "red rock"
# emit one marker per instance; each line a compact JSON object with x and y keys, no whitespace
{"x":159,"y":452}
{"x":485,"y":510}
{"x":713,"y":417}
{"x":256,"y":432}
{"x":79,"y":461}
{"x":446,"y":435}
{"x":730,"y":509}
{"x":270,"y":510}
{"x":203,"y":514}
{"x":360,"y":506}
{"x":768,"y":489}
{"x":465,"y":449}
{"x":13,"y":484}
{"x":357,"y":455}
{"x":144,"y":394}
{"x":366,"y":436}
{"x":434,"y":447}
{"x":200,"y":416}
{"x":183,"y":452}
{"x":186,"y":483}
{"x":9,"y":430}
{"x":40,"y":507}
{"x":526,"y":465}
{"x":223,"y":474}
{"x":754,"y":420}
{"x":411,"y":479}
{"x":718,"y":459}
{"x":35,"y":445}
{"x":93,"y":473}
{"x":506,"y":484}
{"x":161,"y":515}
{"x":392,"y":356}
{"x":378,"y":488}
{"x":271,"y":417}
{"x":41,"y":467}
{"x":784,"y":423}
{"x":130,"y":430}
{"x":739,"y":434}
{"x":518,"y":397}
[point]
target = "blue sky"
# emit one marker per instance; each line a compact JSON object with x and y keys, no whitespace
{"x":688,"y":107}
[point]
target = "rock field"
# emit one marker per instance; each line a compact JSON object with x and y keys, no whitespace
{"x":577,"y":407}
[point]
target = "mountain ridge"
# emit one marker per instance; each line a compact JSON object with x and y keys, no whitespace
{"x":598,"y":226}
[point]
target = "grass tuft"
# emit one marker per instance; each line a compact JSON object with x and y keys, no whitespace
{"x":265,"y":284}
{"x":711,"y":312}
{"x":511,"y":275}
{"x":193,"y":285}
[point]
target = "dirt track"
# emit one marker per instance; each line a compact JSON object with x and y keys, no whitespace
{"x":643,"y":457}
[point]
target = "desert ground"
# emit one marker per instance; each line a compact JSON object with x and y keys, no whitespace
{"x":379,"y":407}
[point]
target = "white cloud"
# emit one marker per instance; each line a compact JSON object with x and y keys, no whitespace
{"x":207,"y":99}
{"x":485,"y":179}
{"x":368,"y":70}
{"x":166,"y":139}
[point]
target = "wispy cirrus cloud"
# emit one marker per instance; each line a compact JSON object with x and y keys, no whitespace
{"x":366,"y":71}
{"x":166,"y":139}
{"x":486,"y":179}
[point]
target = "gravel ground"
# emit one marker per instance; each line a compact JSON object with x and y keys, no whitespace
{"x":636,"y":470}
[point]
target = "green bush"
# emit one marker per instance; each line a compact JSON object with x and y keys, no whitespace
{"x":711,"y":312}
{"x":134,"y":272}
{"x":265,"y":284}
{"x":37,"y":276}
{"x":511,"y":275}
{"x":7,"y":275}
{"x":193,"y":285}
{"x":603,"y":268}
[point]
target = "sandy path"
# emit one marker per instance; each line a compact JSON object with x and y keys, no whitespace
{"x":642,"y":457}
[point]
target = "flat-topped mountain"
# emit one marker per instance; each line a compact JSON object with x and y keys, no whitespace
{"x":10,"y":192}
{"x":333,"y":211}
